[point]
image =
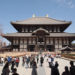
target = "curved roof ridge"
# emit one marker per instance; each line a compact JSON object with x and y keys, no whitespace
{"x":41,"y":20}
{"x":40,"y":29}
{"x":58,"y":19}
{"x":43,"y":17}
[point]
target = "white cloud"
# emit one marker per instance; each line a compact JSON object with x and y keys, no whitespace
{"x":68,"y":3}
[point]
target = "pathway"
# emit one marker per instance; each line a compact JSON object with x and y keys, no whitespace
{"x":45,"y":70}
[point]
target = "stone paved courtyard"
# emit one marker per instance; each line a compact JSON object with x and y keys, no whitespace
{"x":45,"y":70}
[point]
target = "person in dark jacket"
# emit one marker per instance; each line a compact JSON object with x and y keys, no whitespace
{"x":41,"y":60}
{"x":54,"y":69}
{"x":12,"y":65}
{"x":15,"y":72}
{"x":37,"y":58}
{"x":72,"y":68}
{"x":6,"y":70}
{"x":34,"y":66}
{"x":66,"y":72}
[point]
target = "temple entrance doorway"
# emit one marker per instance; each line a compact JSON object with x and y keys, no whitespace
{"x":31,"y":47}
{"x":49,"y":47}
{"x":41,"y":47}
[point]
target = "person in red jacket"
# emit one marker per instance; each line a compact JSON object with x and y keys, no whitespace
{"x":17,"y":61}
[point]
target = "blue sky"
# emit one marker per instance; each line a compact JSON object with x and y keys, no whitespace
{"x":12,"y":10}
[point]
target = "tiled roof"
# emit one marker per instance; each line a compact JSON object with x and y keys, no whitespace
{"x":30,"y":34}
{"x":62,"y":34}
{"x":18,"y":34}
{"x":41,"y":20}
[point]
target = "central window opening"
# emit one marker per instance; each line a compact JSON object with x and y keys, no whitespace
{"x":40,"y":39}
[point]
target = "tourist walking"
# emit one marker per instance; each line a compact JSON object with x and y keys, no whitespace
{"x":5,"y":60}
{"x":1,"y":61}
{"x":15,"y":72}
{"x":54,"y":69}
{"x":41,"y":60}
{"x":12,"y":65}
{"x":49,"y":60}
{"x":34,"y":66}
{"x":23,"y":61}
{"x":66,"y":72}
{"x":6,"y":70}
{"x":52,"y":59}
{"x":72,"y":68}
{"x":17,"y":61}
{"x":9,"y":59}
{"x":37,"y":58}
{"x":31,"y":61}
{"x":27,"y":61}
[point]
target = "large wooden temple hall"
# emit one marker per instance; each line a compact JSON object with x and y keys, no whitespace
{"x":40,"y":33}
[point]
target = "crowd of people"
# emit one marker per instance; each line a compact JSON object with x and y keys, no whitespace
{"x":9,"y":61}
{"x":55,"y":70}
{"x":31,"y":62}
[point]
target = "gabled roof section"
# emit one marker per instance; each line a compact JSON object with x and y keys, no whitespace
{"x":67,"y":48}
{"x":40,"y":29}
{"x":40,"y":20}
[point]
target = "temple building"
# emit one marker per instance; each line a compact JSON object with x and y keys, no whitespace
{"x":40,"y":33}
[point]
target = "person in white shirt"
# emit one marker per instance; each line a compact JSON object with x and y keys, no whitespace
{"x":49,"y":60}
{"x":2,"y":60}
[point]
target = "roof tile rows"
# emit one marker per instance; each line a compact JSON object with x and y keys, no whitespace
{"x":41,"y":20}
{"x":30,"y":34}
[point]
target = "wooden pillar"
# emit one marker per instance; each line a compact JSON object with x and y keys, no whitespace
{"x":56,"y":44}
{"x":50,"y":29}
{"x":60,"y":43}
{"x":51,"y":41}
{"x":54,"y":29}
{"x":70,"y":42}
{"x":22,"y":29}
{"x":58,"y":29}
{"x":19,"y":44}
{"x":27,"y":44}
